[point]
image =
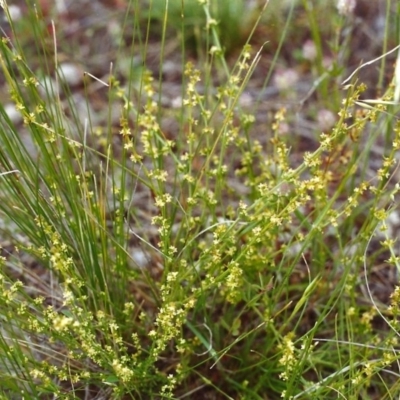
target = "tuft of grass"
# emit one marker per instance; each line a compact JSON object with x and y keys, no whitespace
{"x":217,"y":258}
{"x":231,"y":22}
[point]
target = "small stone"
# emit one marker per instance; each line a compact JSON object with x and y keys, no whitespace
{"x":15,"y":12}
{"x":71,"y":73}
{"x":13,"y":114}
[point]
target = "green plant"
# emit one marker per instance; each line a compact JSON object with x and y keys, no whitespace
{"x":208,"y":260}
{"x":232,"y":21}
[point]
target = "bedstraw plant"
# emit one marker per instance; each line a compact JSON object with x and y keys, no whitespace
{"x":213,"y":260}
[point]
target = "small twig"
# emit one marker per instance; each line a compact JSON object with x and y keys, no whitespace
{"x":369,"y":63}
{"x":96,"y":79}
{"x":9,"y":172}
